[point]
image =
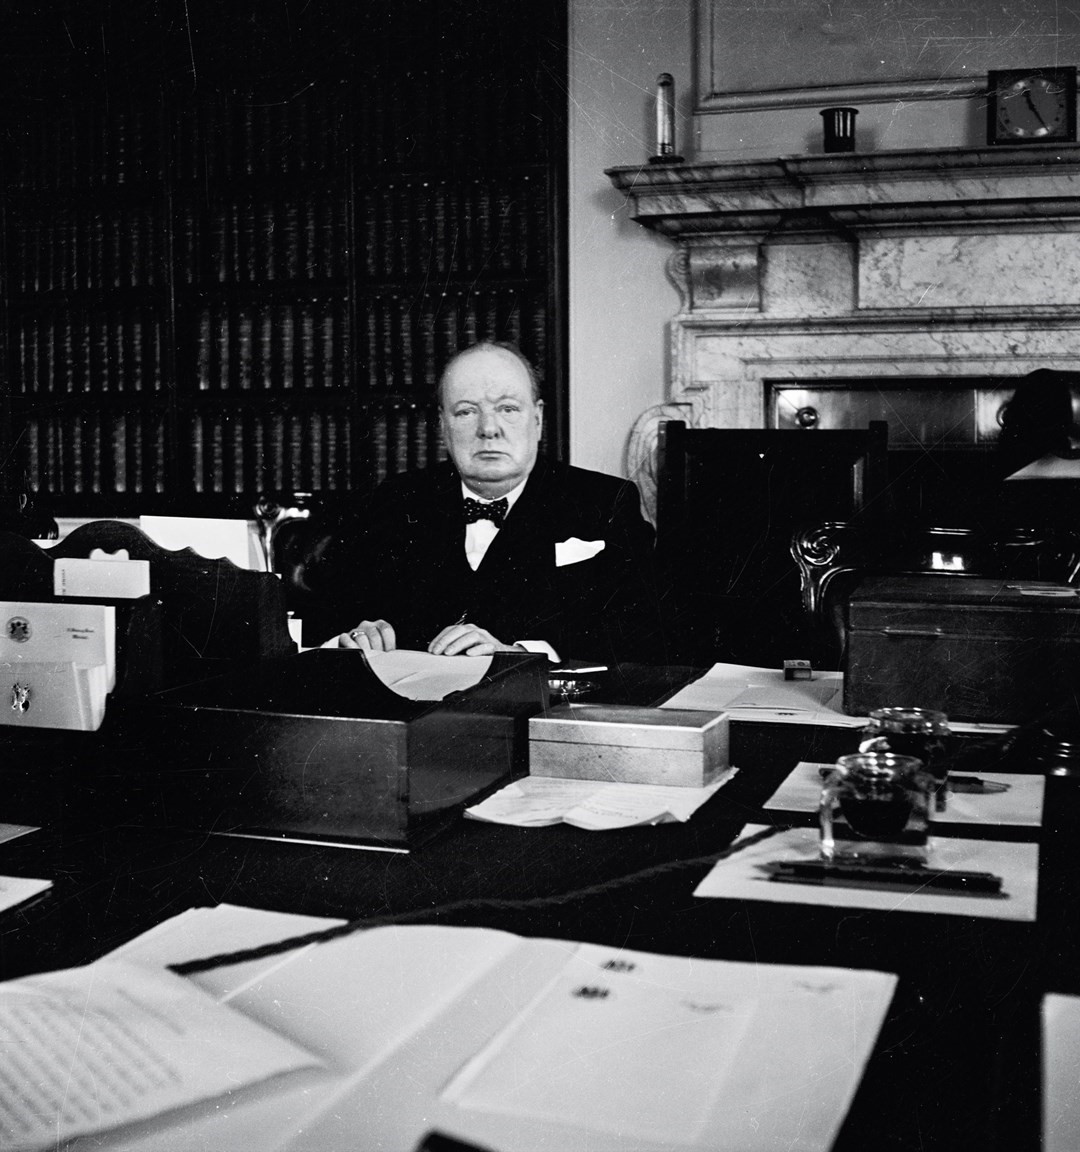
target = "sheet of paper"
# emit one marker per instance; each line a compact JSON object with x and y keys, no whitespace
{"x":657,"y":1048}
{"x":1019,"y":806}
{"x":1061,"y":1073}
{"x":16,"y":890}
{"x":11,"y":831}
{"x":89,"y":1049}
{"x":540,"y":801}
{"x":112,"y":579}
{"x":209,"y":536}
{"x":198,"y":933}
{"x":743,"y":877}
{"x":50,"y":695}
{"x":422,"y":676}
{"x":352,"y":1002}
{"x":614,"y":1050}
{"x":763,"y":695}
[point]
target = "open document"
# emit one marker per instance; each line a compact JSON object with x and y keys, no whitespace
{"x":505,"y":1042}
{"x":92,"y":1048}
{"x":422,"y":676}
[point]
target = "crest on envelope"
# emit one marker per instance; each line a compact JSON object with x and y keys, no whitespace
{"x":18,"y":629}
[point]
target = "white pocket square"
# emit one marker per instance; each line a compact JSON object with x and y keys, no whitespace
{"x":573,"y":551}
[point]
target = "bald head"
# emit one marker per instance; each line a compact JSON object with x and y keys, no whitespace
{"x":509,"y":354}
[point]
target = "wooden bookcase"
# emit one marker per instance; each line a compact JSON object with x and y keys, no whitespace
{"x":248,"y":285}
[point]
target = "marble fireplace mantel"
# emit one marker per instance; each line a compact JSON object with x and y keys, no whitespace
{"x":960,"y":263}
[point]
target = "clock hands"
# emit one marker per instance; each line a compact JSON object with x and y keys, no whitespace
{"x":1031,"y":105}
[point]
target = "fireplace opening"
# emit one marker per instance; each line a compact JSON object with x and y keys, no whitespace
{"x":945,"y":463}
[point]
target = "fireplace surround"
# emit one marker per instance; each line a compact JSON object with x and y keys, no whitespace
{"x":951,"y":272}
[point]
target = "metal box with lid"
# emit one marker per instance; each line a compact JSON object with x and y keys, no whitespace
{"x":628,"y":744}
{"x":978,"y":649}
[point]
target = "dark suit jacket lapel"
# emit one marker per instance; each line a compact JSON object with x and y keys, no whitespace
{"x":440,"y":527}
{"x":525,"y":537}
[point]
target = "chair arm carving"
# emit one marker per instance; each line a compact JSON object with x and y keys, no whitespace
{"x":817,"y":550}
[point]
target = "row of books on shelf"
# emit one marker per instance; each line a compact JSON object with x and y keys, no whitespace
{"x":435,"y":119}
{"x":246,"y":137}
{"x":407,"y":229}
{"x":415,"y":228}
{"x":79,"y":148}
{"x":418,"y":122}
{"x":96,"y":350}
{"x":228,"y":451}
{"x":70,"y":249}
{"x":94,"y":453}
{"x":217,"y":138}
{"x":272,"y":347}
{"x":404,"y":342}
{"x":264,"y":240}
{"x":400,"y":344}
{"x":312,"y":451}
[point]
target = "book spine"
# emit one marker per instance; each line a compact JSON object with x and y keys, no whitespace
{"x":198,"y":453}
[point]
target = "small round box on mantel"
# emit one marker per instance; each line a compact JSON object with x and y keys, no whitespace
{"x":629,"y":745}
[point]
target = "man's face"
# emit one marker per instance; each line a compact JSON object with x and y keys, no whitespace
{"x":490,"y":421}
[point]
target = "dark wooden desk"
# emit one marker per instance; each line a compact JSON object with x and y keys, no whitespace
{"x":956,"y":1065}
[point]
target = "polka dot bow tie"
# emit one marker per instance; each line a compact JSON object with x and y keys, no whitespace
{"x":495,"y":511}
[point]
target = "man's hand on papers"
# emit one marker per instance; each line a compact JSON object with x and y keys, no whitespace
{"x":464,"y":639}
{"x":369,"y":636}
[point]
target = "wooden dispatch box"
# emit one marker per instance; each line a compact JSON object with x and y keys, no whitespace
{"x":629,"y":745}
{"x":973,"y":647}
{"x":314,"y":747}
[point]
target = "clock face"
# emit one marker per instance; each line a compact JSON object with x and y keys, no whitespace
{"x":1033,"y":108}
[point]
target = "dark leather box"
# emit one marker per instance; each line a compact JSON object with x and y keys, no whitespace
{"x":315,"y":747}
{"x":977,"y":649}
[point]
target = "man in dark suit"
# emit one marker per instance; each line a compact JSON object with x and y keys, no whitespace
{"x":495,"y":549}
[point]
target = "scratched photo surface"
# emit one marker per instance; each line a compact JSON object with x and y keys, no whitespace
{"x":239,"y":241}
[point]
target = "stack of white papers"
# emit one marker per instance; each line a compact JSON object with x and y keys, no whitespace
{"x":57,"y":664}
{"x":504,"y":1042}
{"x":540,"y":801}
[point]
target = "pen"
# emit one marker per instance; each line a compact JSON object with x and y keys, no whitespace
{"x":824,"y":874}
{"x":975,"y":784}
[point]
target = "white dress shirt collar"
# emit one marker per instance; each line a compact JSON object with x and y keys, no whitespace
{"x":480,"y":533}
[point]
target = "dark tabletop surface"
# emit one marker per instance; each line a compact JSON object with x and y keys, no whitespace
{"x":956,"y":1065}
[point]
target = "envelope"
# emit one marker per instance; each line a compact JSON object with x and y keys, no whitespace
{"x":36,"y":694}
{"x":82,"y":634}
{"x":573,"y":551}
